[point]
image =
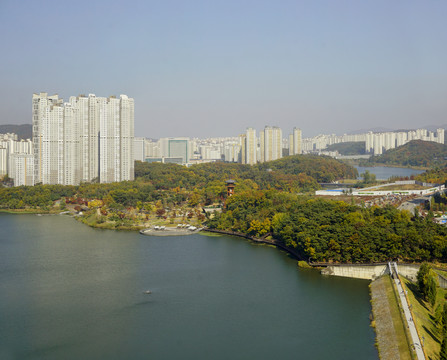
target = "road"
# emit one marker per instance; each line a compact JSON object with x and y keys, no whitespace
{"x":412,"y":204}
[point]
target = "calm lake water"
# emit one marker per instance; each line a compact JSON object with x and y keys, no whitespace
{"x":68,"y":291}
{"x":384,"y":172}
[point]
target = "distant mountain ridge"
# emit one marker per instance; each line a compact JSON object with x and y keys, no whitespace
{"x":348,"y":148}
{"x":24,"y":131}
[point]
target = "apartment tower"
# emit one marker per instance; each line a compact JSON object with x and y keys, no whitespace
{"x":271,"y":143}
{"x":295,"y":142}
{"x":251,"y":146}
{"x":87,"y":139}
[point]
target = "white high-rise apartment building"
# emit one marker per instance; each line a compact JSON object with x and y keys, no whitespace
{"x":139,"y":148}
{"x":243,"y":145}
{"x":10,"y":145}
{"x":22,"y":169}
{"x":271,"y":143}
{"x":89,"y":138}
{"x":3,"y":161}
{"x":42,"y":106}
{"x":295,"y":142}
{"x":440,"y":136}
{"x":251,"y":146}
{"x":232,"y":151}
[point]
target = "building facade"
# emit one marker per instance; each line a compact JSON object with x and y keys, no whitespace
{"x":295,"y":142}
{"x":251,"y":147}
{"x":271,"y":143}
{"x":87,"y":139}
{"x":22,"y":169}
{"x":176,"y":148}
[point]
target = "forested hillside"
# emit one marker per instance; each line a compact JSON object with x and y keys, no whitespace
{"x":325,"y":230}
{"x":348,"y":148}
{"x":434,"y":176}
{"x":321,"y":168}
{"x":414,"y":153}
{"x":291,"y":173}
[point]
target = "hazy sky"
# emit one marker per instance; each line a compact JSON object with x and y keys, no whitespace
{"x":213,"y":68}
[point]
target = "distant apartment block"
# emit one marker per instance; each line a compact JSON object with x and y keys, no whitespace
{"x":22,"y":169}
{"x":295,"y":142}
{"x":375,"y":143}
{"x":270,"y":144}
{"x":3,"y":161}
{"x":10,"y":150}
{"x":139,"y":148}
{"x":178,"y":148}
{"x":251,"y":147}
{"x":87,"y":139}
{"x":378,"y":143}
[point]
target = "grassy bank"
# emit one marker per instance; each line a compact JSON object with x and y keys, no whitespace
{"x":424,"y":316}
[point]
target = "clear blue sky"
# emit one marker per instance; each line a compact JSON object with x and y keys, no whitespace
{"x":213,"y":68}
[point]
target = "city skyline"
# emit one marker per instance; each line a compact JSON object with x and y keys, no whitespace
{"x":210,"y":69}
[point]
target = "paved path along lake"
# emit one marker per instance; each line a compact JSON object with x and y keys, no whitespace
{"x":68,"y":291}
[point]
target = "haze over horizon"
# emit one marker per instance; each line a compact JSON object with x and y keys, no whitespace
{"x":203,"y":69}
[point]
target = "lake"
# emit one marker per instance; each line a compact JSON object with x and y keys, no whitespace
{"x":68,"y":291}
{"x":385,"y":172}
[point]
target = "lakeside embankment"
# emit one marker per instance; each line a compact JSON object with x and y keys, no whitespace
{"x":392,"y":338}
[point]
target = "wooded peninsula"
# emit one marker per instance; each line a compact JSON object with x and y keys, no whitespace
{"x":272,"y":199}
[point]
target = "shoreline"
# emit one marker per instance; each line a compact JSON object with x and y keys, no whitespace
{"x":262,"y":241}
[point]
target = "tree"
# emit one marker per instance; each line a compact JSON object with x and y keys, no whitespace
{"x":160,"y":212}
{"x":427,"y":283}
{"x":422,"y":277}
{"x":432,"y":288}
{"x":368,"y":178}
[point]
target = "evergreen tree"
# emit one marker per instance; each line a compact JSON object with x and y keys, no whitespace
{"x":432,"y":288}
{"x":422,"y":278}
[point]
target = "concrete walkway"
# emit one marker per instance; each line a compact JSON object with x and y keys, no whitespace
{"x":408,"y":317}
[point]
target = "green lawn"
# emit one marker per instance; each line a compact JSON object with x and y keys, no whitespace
{"x":424,"y":319}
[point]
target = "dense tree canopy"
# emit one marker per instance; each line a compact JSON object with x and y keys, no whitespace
{"x":327,"y":230}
